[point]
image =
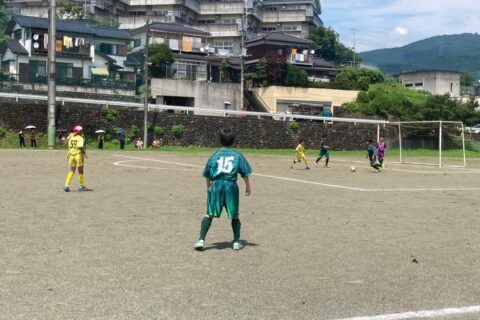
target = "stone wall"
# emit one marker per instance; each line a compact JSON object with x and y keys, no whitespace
{"x":199,"y":130}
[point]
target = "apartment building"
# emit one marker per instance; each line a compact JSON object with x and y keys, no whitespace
{"x":225,"y":20}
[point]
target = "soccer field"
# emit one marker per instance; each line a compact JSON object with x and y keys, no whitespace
{"x":319,"y":244}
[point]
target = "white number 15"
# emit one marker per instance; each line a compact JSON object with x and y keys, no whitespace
{"x":225,"y":164}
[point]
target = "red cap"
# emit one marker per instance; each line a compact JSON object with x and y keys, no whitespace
{"x":77,"y":129}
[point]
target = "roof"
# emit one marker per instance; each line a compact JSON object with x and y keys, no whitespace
{"x":70,"y":26}
{"x":14,"y":46}
{"x":172,"y":28}
{"x":429,"y":71}
{"x":279,"y":38}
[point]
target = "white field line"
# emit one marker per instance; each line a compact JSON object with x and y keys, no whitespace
{"x":297,"y":180}
{"x":123,"y":164}
{"x":439,"y":171}
{"x":421,"y":314}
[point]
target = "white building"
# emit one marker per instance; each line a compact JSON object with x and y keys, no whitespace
{"x":434,"y":81}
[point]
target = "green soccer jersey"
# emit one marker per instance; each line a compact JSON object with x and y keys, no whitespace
{"x":226,"y":164}
{"x":371,"y":152}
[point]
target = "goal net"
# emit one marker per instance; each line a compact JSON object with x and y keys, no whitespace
{"x":435,"y":143}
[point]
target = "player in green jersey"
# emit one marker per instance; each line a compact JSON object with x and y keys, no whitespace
{"x":372,"y":156}
{"x":323,"y":151}
{"x":221,"y":175}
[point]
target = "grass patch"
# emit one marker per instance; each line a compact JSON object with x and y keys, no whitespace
{"x":10,"y":141}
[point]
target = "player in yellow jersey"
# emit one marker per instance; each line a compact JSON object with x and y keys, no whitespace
{"x":300,"y":154}
{"x":76,"y":156}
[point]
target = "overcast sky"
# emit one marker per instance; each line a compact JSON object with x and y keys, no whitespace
{"x":391,"y":23}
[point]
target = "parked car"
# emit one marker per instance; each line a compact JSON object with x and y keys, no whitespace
{"x":475,"y":129}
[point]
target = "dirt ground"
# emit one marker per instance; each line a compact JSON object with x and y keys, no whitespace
{"x":319,"y":244}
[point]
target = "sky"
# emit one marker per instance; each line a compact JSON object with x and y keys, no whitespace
{"x":393,"y":23}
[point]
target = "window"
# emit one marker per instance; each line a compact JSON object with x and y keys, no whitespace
{"x":190,"y":69}
{"x":137,"y":43}
{"x":268,"y":29}
{"x":17,"y":35}
{"x":226,"y":45}
{"x":106,"y":48}
{"x":37,"y":71}
{"x":64,"y":70}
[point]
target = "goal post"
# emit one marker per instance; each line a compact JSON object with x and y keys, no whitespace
{"x":435,"y":143}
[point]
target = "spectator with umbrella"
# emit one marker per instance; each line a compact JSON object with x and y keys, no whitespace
{"x":33,"y":136}
{"x":121,"y":138}
{"x":100,"y":138}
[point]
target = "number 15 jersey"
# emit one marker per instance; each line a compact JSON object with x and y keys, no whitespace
{"x":226,"y":164}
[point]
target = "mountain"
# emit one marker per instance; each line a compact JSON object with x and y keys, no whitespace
{"x":459,"y":52}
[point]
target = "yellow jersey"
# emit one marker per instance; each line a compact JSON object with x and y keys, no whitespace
{"x":75,"y":144}
{"x":300,"y":149}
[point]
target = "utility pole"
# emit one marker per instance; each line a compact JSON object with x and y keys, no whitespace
{"x":145,"y":86}
{"x":243,"y":54}
{"x":354,"y":50}
{"x":51,"y":74}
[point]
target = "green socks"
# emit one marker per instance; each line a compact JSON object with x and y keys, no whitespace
{"x":236,"y":229}
{"x":205,"y":225}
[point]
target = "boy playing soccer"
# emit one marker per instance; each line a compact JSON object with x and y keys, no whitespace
{"x":381,"y":147}
{"x":371,"y":155}
{"x":300,"y":154}
{"x":221,"y":175}
{"x":76,"y":155}
{"x":323,"y":151}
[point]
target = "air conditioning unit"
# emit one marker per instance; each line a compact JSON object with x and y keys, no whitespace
{"x":170,"y":13}
{"x":299,"y":28}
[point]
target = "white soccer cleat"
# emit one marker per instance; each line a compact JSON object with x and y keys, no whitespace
{"x":199,"y":245}
{"x":237,"y":246}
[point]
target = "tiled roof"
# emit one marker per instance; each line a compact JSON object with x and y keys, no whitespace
{"x":279,"y":37}
{"x":14,"y":46}
{"x":174,"y":28}
{"x":72,"y":26}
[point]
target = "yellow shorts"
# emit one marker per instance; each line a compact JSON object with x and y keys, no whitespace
{"x":75,"y":161}
{"x":299,"y":157}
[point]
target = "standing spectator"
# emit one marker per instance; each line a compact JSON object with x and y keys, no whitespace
{"x":33,"y":139}
{"x":139,"y":143}
{"x":21,"y":139}
{"x":155,"y":143}
{"x":101,"y":139}
{"x":121,"y":139}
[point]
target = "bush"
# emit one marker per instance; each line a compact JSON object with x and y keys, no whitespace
{"x":177,"y":131}
{"x":133,"y":133}
{"x":294,"y":125}
{"x":159,"y":131}
{"x":110,"y":114}
{"x":3,"y":132}
{"x":296,"y":77}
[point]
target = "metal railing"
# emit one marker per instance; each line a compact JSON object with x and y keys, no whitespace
{"x":192,"y":110}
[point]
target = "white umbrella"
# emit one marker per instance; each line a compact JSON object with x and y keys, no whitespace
{"x":100,"y":131}
{"x":30,"y":127}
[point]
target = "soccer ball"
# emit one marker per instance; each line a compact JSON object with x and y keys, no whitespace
{"x":353,"y":169}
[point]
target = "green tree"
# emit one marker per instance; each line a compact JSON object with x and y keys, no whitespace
{"x":327,"y":45}
{"x":259,"y":77}
{"x":69,"y":12}
{"x":276,"y":67}
{"x":296,"y":77}
{"x":466,"y":80}
{"x":4,"y":19}
{"x":160,"y":54}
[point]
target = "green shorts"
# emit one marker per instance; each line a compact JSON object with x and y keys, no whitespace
{"x":324,"y":153}
{"x":223,"y":193}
